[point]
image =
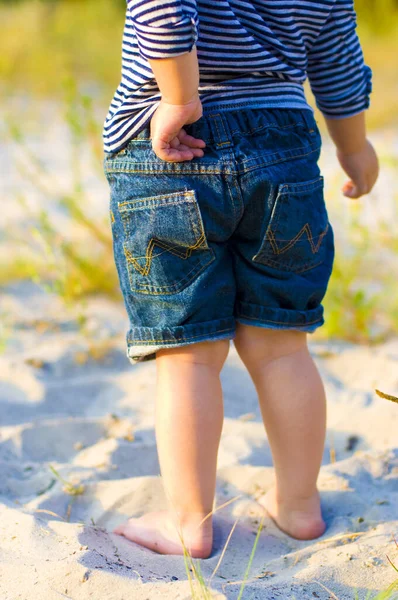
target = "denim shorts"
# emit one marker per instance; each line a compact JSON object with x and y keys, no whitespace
{"x":240,"y":234}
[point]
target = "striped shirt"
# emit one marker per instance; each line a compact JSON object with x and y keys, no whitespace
{"x":251,"y":53}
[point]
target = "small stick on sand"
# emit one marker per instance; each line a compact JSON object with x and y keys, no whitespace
{"x":386,"y":396}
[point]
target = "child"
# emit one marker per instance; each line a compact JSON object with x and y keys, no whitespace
{"x":221,"y":231}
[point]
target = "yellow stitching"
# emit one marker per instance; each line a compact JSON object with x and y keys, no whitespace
{"x":192,"y":337}
{"x":271,"y":239}
{"x":168,"y":249}
{"x":149,"y":253}
{"x":218,"y":131}
{"x":112,"y":217}
{"x":306,"y":229}
{"x":177,"y":286}
{"x":202,"y":170}
{"x":160,"y":197}
{"x":143,"y":200}
{"x":225,"y":131}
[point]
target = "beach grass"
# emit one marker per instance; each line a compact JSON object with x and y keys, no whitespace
{"x":362,"y":298}
{"x":201,"y":589}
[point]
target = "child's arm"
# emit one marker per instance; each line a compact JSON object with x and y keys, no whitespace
{"x":178,"y":81}
{"x":177,"y":78}
{"x":166,"y":37}
{"x":355,"y":153}
{"x":341,"y":83}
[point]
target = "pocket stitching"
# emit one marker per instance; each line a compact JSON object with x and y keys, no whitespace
{"x":283,"y":190}
{"x":307,"y":229}
{"x":173,"y":285}
{"x":199,"y":226}
{"x":302,"y":186}
{"x":276,"y":265}
{"x":158,"y":198}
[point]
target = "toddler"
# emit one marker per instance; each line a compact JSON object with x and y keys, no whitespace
{"x":221,"y":232}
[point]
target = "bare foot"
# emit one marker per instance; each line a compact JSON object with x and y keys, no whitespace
{"x":157,"y":531}
{"x":301,"y":520}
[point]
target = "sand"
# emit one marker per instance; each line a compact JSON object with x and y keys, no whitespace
{"x":91,"y":418}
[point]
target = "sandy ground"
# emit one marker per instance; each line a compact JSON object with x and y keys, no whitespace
{"x":91,"y":418}
{"x":75,"y":403}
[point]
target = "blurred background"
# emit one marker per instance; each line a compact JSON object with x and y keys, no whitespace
{"x":60,"y":64}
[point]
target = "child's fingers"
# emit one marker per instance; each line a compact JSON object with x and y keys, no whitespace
{"x":349,"y":189}
{"x":190,"y":141}
{"x":177,"y":155}
{"x":176,"y":152}
{"x":354,"y":190}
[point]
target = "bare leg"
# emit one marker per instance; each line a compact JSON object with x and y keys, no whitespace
{"x":189,"y":419}
{"x":293,"y":406}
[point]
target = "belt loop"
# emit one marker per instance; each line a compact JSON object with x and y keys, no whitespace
{"x":309,"y":119}
{"x":220,"y":131}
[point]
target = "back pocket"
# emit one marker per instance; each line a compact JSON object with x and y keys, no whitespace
{"x":165,"y":243}
{"x":295,"y":236}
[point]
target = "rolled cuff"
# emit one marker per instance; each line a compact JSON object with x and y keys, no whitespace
{"x":167,"y":41}
{"x":356,"y":99}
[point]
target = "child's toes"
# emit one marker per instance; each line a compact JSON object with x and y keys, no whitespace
{"x":119,"y":529}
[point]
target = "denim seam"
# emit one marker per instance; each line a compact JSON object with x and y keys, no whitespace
{"x":276,"y":265}
{"x":252,"y":106}
{"x":227,"y":135}
{"x":273,"y":162}
{"x":153,"y":207}
{"x":202,"y":170}
{"x":179,"y":339}
{"x":206,"y":170}
{"x":278,"y":322}
{"x":199,"y":219}
{"x":142,"y":141}
{"x":302,"y":187}
{"x":267,"y":126}
{"x":218,"y":132}
{"x":159,"y":197}
{"x":232,"y":198}
{"x":240,"y":195}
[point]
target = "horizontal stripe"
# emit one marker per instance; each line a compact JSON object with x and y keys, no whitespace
{"x":251,"y":53}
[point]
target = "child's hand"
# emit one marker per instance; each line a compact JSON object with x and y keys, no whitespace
{"x":363,"y":169}
{"x":170,"y":142}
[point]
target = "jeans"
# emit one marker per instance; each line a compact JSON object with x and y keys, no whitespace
{"x":240,"y":234}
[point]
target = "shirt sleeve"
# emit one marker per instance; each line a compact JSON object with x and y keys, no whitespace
{"x":339,"y":78}
{"x":164,"y":28}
